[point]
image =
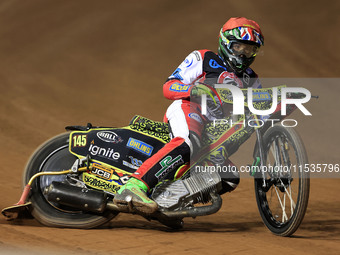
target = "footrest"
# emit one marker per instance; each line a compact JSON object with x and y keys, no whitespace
{"x":13,"y":212}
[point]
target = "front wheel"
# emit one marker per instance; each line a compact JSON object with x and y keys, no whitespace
{"x":282,"y":196}
{"x":54,"y":156}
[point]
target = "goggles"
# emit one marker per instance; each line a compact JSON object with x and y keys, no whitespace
{"x":240,"y":49}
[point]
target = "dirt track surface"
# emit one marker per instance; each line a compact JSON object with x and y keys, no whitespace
{"x":73,"y":62}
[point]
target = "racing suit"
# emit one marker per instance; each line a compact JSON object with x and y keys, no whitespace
{"x":184,"y":116}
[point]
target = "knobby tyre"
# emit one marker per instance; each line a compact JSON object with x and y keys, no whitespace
{"x":283,"y":203}
{"x":54,"y":155}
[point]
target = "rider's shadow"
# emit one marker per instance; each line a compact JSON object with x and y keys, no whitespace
{"x":190,"y":225}
{"x":327,"y":229}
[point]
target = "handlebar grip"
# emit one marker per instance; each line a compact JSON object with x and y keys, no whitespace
{"x":300,"y":95}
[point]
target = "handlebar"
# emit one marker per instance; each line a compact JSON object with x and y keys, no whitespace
{"x":300,"y":95}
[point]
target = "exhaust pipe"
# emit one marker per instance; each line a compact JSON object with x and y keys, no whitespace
{"x":97,"y":201}
{"x":76,"y":197}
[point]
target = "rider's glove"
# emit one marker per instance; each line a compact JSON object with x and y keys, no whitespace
{"x":296,"y":95}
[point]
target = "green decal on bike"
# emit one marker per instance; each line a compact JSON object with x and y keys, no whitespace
{"x":98,"y":183}
{"x":167,"y":164}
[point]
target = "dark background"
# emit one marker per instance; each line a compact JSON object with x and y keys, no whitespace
{"x":72,"y":62}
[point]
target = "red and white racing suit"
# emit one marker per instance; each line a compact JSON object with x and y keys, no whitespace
{"x":184,"y":117}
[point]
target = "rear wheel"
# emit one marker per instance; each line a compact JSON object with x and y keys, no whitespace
{"x":283,"y":200}
{"x":54,"y":156}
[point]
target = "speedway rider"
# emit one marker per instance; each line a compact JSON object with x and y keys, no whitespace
{"x":239,"y":41}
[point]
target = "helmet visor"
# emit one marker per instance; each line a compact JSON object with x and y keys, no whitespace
{"x":240,"y":49}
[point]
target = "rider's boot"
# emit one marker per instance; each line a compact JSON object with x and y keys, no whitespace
{"x":162,"y":164}
{"x":134,"y":192}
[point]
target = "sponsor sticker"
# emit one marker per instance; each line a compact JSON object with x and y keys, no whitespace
{"x":95,"y":182}
{"x":246,"y":78}
{"x":134,"y":163}
{"x":177,"y":87}
{"x":139,"y":146}
{"x":168,"y":163}
{"x":219,"y":156}
{"x":197,"y":54}
{"x":108,"y":153}
{"x":213,"y":64}
{"x":196,"y":117}
{"x":109,"y":137}
{"x":188,"y":62}
{"x":261,"y":96}
{"x":101,"y":171}
{"x":230,"y":78}
{"x":176,"y":74}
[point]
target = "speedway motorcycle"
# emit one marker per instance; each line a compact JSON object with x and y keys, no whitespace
{"x":71,"y":180}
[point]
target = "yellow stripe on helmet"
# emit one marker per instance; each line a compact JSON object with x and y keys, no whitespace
{"x":223,"y":37}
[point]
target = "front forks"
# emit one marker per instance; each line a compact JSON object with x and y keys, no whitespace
{"x":261,"y":155}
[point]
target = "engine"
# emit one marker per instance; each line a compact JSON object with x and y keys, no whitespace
{"x":194,"y":189}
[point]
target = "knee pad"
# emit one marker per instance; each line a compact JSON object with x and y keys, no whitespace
{"x":164,"y":163}
{"x":230,"y":176}
{"x":195,"y":141}
{"x":230,"y":180}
